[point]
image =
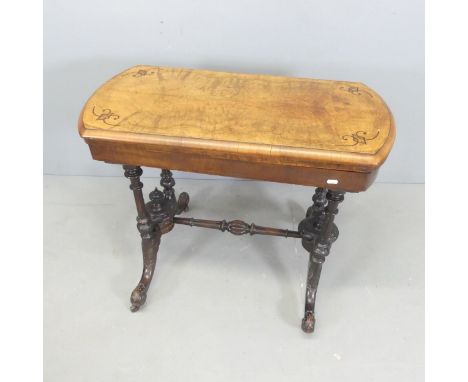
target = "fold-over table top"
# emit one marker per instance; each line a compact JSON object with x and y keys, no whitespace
{"x":262,"y":118}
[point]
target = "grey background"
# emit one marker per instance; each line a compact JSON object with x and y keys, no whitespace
{"x":378,"y":42}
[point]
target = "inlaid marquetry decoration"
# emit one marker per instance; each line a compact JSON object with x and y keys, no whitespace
{"x":180,"y":116}
{"x":359,"y":138}
{"x":105,"y":115}
{"x":230,"y":107}
{"x":142,"y":72}
{"x":355,"y":90}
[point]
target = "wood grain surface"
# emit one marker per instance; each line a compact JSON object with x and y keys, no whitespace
{"x":148,"y":112}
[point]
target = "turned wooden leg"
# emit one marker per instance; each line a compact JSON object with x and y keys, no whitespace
{"x":150,"y":238}
{"x":318,"y":232}
{"x":168,"y":183}
{"x":320,"y":201}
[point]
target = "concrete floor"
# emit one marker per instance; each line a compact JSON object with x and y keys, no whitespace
{"x":227,"y":308}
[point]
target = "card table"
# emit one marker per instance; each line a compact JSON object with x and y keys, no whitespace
{"x":332,"y":135}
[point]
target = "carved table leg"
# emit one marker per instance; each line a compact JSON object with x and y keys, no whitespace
{"x":318,"y":232}
{"x":168,"y":183}
{"x":313,"y":278}
{"x":150,"y":238}
{"x":149,"y":245}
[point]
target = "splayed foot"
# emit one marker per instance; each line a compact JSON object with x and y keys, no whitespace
{"x":308,"y":322}
{"x":138,"y":297}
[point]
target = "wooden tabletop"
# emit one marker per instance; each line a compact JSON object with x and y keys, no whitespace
{"x":272,"y":120}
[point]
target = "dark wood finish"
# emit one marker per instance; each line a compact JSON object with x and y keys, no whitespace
{"x":183,"y":203}
{"x":157,"y":217}
{"x":236,"y":227}
{"x":150,"y":238}
{"x":154,"y":219}
{"x":168,"y":183}
{"x":319,"y":232}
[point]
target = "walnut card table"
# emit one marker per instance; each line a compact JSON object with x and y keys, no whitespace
{"x":332,"y":135}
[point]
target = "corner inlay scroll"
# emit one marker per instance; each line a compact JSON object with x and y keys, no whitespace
{"x":354,"y":90}
{"x":142,"y":72}
{"x":105,"y":115}
{"x":358,"y":138}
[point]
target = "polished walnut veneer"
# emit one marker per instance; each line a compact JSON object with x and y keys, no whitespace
{"x":333,"y":135}
{"x":280,"y":129}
